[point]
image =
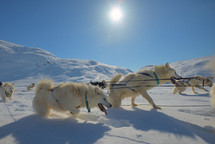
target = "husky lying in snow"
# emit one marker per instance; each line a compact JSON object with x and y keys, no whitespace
{"x":30,"y":87}
{"x":135,"y":84}
{"x":197,"y":81}
{"x":6,"y":91}
{"x":67,"y":97}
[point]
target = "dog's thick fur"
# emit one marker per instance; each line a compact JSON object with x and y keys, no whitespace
{"x":211,"y":66}
{"x":197,"y":82}
{"x":135,"y":84}
{"x":6,"y":91}
{"x":66,"y":97}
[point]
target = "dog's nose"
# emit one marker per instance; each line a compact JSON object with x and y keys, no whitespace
{"x":110,"y":105}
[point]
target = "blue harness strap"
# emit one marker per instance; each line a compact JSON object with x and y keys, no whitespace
{"x":146,"y":74}
{"x":156,"y":77}
{"x":86,"y":101}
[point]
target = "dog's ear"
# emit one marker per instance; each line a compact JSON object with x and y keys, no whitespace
{"x":97,"y":90}
{"x":167,"y":65}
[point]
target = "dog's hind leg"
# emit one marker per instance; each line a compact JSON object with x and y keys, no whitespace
{"x":148,"y":98}
{"x":132,"y":101}
{"x":175,"y":90}
{"x":71,"y":109}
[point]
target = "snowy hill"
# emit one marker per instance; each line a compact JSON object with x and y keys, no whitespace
{"x":191,"y":67}
{"x":19,"y":62}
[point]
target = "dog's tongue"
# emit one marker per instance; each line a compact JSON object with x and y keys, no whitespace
{"x":102,"y":108}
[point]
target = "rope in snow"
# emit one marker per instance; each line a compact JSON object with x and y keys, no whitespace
{"x":10,"y":113}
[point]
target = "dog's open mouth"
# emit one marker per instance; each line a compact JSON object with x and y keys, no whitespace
{"x":102,"y":108}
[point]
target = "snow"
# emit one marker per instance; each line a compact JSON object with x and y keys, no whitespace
{"x":186,"y":118}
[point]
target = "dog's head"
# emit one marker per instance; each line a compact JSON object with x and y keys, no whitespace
{"x":9,"y":88}
{"x":208,"y":82}
{"x":100,"y":99}
{"x":170,"y":72}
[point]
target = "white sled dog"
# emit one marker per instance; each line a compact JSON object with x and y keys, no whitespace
{"x":67,"y":97}
{"x":6,"y":91}
{"x":135,"y":84}
{"x":30,"y":87}
{"x":197,"y":81}
{"x":211,"y":66}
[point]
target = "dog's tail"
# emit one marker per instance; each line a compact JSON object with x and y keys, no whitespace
{"x":40,"y":101}
{"x":45,"y":84}
{"x":115,"y":79}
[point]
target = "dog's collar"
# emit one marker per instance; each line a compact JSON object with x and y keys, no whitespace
{"x":156,"y":77}
{"x":86,"y":102}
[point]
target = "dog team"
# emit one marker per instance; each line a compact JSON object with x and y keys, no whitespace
{"x":70,"y":97}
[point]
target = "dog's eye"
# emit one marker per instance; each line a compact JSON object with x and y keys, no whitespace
{"x":104,"y":99}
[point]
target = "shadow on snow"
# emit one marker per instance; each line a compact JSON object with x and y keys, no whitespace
{"x":33,"y":129}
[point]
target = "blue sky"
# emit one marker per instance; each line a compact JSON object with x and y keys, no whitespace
{"x":150,"y":32}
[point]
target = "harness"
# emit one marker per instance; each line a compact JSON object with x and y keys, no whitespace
{"x":142,"y":73}
{"x":156,"y":77}
{"x":187,"y":82}
{"x":86,"y":101}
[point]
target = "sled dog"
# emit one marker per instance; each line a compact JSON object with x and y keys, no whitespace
{"x":135,"y":84}
{"x":211,"y":66}
{"x":67,"y":97}
{"x":30,"y":87}
{"x":6,"y":91}
{"x":197,"y":82}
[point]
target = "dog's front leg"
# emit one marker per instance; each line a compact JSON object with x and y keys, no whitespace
{"x":72,"y":110}
{"x":200,"y":87}
{"x":132,"y":101}
{"x":3,"y":98}
{"x":194,"y":90}
{"x":148,"y":98}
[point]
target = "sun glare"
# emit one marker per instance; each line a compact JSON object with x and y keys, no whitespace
{"x":116,"y":14}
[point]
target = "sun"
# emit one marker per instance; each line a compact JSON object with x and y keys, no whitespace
{"x":116,"y":14}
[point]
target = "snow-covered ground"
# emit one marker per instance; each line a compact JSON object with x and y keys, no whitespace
{"x":183,"y":119}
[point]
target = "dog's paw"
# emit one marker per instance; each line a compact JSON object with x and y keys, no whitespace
{"x":74,"y":111}
{"x":134,"y":104}
{"x":156,"y":107}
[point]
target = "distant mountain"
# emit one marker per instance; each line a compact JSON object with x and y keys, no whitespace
{"x":19,"y":62}
{"x":191,"y":67}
